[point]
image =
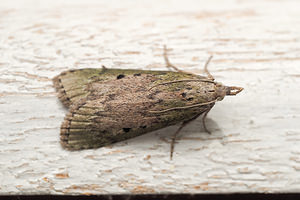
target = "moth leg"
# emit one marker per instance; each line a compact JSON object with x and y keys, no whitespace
{"x":206,"y":69}
{"x":177,"y":132}
{"x":203,"y":120}
{"x":184,"y":124}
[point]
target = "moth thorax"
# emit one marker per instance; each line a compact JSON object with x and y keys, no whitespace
{"x":221,"y":91}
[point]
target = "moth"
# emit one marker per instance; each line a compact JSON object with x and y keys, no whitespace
{"x":112,"y":105}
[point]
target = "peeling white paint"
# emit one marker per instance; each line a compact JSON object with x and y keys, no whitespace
{"x":256,"y":135}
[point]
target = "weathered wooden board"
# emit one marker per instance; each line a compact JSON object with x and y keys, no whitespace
{"x":256,"y":135}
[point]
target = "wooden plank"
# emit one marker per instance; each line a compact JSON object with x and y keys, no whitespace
{"x":255,"y":142}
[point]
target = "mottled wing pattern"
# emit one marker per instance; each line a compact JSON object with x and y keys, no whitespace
{"x":93,"y":124}
{"x":112,"y":105}
{"x":72,"y":85}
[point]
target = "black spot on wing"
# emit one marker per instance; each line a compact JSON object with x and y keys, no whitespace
{"x":126,"y":130}
{"x":120,"y":76}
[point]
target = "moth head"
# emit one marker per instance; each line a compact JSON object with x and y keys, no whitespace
{"x":223,"y":90}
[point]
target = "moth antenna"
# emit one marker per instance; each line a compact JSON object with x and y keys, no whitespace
{"x":169,"y":65}
{"x":183,"y":80}
{"x":184,"y":107}
{"x":206,"y":68}
{"x":177,"y":132}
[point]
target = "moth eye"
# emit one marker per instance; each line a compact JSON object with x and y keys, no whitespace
{"x":126,"y":130}
{"x":120,"y":76}
{"x":183,"y":94}
{"x":189,"y":88}
{"x":190,"y":99}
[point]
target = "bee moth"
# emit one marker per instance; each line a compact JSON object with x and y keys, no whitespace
{"x":112,"y":105}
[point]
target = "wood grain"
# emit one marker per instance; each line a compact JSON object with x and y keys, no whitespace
{"x":256,"y":135}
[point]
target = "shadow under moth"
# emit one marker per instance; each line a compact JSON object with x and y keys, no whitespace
{"x":112,"y":105}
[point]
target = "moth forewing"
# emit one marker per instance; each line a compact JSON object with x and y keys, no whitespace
{"x":112,"y":105}
{"x":124,"y":110}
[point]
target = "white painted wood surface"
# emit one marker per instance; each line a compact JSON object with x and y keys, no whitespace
{"x":256,"y":135}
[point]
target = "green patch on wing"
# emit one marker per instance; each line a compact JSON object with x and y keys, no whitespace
{"x":72,"y":85}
